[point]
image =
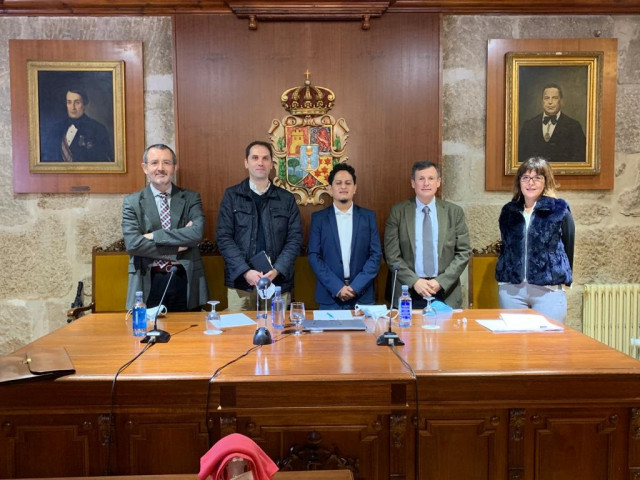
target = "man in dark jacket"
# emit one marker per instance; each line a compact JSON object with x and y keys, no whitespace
{"x":257,"y":216}
{"x":552,"y":134}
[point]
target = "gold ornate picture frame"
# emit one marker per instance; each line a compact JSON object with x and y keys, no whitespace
{"x":92,"y":142}
{"x":552,"y":110}
{"x":498,"y":144}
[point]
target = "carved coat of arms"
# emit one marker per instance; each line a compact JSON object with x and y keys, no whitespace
{"x":308,"y":142}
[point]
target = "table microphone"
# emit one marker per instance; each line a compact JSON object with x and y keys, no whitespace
{"x":389,"y":337}
{"x":262,"y":335}
{"x":160,"y":336}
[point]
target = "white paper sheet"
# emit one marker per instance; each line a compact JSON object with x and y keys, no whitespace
{"x":520,"y":322}
{"x":234,"y":320}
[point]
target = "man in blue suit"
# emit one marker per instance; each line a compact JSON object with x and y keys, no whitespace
{"x":344,"y":246}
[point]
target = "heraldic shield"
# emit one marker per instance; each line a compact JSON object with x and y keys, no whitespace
{"x":308,"y":142}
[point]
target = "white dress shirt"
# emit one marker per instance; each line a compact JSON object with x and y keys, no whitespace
{"x":345,"y":233}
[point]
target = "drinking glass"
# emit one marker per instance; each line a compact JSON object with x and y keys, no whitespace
{"x":296,"y":315}
{"x":429,"y":316}
{"x":213,"y":317}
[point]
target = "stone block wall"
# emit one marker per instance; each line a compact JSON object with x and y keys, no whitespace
{"x":607,"y":222}
{"x":47,"y":239}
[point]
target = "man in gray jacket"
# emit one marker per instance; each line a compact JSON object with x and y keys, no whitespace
{"x":163,"y":225}
{"x":429,"y":239}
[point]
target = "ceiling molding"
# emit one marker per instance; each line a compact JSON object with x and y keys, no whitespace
{"x":260,"y":10}
{"x":308,"y":10}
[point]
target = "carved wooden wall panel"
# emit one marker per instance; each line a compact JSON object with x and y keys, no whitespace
{"x":463,"y":445}
{"x":229,"y":81}
{"x":154,"y":444}
{"x":337,"y":440}
{"x":66,"y":445}
{"x":576,"y":443}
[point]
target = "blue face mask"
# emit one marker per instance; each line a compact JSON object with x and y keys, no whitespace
{"x":373,"y":311}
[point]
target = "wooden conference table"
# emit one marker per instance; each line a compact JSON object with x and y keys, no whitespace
{"x":466,"y":403}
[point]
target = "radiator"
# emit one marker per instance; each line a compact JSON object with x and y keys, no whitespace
{"x":611,"y":313}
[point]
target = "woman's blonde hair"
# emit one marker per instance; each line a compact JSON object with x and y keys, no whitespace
{"x":541,"y":167}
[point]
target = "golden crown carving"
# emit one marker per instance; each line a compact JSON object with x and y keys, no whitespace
{"x":308,"y":99}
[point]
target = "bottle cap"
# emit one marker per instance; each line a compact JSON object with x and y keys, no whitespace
{"x":278,"y":289}
{"x":405,"y":287}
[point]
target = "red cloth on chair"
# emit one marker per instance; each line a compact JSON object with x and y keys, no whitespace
{"x":214,"y":462}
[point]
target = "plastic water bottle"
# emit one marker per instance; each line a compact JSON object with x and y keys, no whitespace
{"x":277,"y":309}
{"x":139,"y":315}
{"x":404,"y":307}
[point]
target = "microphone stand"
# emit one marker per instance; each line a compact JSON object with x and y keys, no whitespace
{"x":262,"y":335}
{"x":390,"y":337}
{"x":160,"y":336}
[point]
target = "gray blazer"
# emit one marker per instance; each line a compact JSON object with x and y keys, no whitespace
{"x":139,"y":216}
{"x":454,"y":248}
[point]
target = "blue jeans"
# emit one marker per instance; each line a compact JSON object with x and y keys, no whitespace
{"x":552,"y":303}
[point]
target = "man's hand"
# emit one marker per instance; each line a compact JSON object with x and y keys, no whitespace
{"x":272,"y":274}
{"x":346,"y":293}
{"x":426,"y":288}
{"x":252,"y":277}
{"x":434,"y":287}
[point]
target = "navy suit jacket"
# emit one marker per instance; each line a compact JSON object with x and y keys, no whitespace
{"x":326,"y":260}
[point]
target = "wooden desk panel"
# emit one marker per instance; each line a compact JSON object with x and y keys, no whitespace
{"x":312,"y":475}
{"x":509,"y":401}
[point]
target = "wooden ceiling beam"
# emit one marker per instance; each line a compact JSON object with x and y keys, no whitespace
{"x":314,"y":10}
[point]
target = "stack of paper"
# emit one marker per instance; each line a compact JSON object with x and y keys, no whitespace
{"x":520,"y":322}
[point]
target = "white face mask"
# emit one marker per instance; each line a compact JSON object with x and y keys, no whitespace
{"x":151,"y":312}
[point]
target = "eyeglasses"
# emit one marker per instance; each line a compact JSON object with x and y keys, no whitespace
{"x":536,"y":179}
{"x":157,"y":163}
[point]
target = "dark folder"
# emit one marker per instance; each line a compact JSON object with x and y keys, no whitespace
{"x":261,"y":262}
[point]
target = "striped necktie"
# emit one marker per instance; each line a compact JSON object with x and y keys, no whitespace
{"x":165,"y":220}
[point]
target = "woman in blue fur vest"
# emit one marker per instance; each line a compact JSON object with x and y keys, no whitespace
{"x":538,"y":234}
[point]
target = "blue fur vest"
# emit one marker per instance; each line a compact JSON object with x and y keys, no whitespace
{"x":546,"y":257}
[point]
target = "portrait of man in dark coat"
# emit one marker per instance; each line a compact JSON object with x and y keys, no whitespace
{"x":552,"y":134}
{"x":76,"y":117}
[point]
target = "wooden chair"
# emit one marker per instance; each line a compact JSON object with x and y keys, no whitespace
{"x":483,"y":287}
{"x":110,"y":275}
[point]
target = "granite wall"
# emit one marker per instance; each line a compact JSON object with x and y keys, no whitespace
{"x":47,"y":239}
{"x":607,"y":224}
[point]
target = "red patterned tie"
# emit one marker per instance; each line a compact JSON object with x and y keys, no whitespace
{"x":165,"y":220}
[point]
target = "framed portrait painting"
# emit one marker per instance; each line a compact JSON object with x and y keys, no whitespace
{"x":551,"y":98}
{"x":553,"y":103}
{"x":76,"y":117}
